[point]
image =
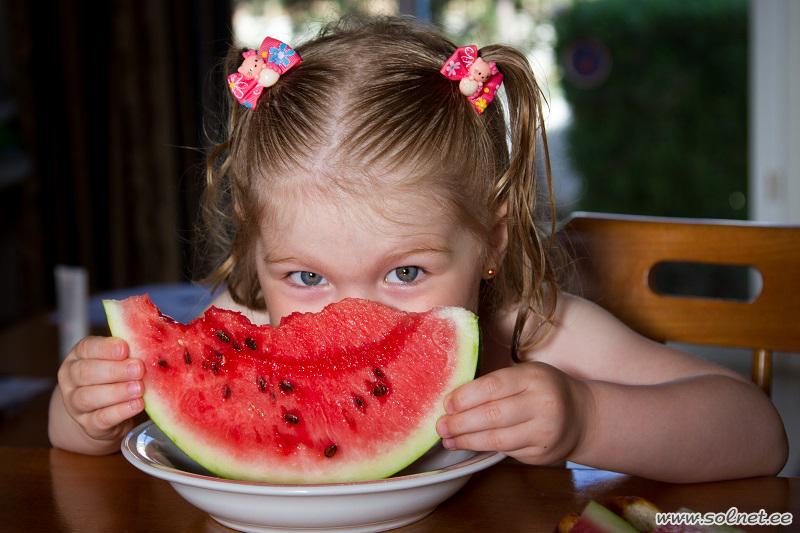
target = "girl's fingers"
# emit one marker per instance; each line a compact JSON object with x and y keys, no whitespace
{"x":491,"y":415}
{"x":107,"y":418}
{"x":94,"y":397}
{"x":99,"y":371}
{"x":494,"y":386}
{"x":502,"y":440}
{"x":101,"y":348}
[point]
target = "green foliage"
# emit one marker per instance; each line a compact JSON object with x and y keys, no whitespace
{"x":665,"y":131}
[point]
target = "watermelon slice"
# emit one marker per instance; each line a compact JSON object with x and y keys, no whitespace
{"x":347,"y":394}
{"x":598,"y":519}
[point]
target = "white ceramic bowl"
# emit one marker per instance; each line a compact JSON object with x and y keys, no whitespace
{"x":258,"y":507}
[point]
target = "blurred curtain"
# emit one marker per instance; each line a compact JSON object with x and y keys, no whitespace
{"x":111,"y":98}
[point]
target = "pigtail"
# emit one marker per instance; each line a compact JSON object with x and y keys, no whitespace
{"x":528,"y":274}
{"x":223,"y":232}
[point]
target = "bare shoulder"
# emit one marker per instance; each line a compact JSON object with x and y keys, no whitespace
{"x":225,"y":301}
{"x":589,"y":342}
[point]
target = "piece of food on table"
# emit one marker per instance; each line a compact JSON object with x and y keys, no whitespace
{"x":628,"y":514}
{"x":597,"y":519}
{"x":347,"y":394}
{"x":567,"y":522}
{"x":640,"y":513}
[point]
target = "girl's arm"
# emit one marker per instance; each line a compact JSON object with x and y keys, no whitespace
{"x":656,"y":411}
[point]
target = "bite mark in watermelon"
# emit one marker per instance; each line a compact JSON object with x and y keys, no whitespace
{"x":350,"y":393}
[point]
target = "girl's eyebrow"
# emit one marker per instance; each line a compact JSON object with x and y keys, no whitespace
{"x":269,"y":258}
{"x":431,"y":249}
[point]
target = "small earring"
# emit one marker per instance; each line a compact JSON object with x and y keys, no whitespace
{"x":490,"y":273}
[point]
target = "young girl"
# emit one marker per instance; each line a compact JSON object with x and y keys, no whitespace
{"x":365,"y":167}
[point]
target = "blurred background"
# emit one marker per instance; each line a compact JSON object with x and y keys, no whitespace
{"x":655,"y":107}
{"x":105,"y":111}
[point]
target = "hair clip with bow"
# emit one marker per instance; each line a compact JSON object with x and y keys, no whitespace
{"x":478,"y":80}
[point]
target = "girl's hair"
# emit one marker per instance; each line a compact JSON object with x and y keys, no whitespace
{"x":369,"y":95}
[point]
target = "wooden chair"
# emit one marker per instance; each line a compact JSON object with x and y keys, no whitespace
{"x":616,"y":254}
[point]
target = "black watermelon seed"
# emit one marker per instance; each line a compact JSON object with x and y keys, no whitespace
{"x":380,"y":389}
{"x":287,"y":386}
{"x":378,"y":373}
{"x":262,"y":385}
{"x":226,"y":392}
{"x":330,"y":451}
{"x":250,"y":343}
{"x":359,"y":402}
{"x":236,"y":346}
{"x":291,"y":419}
{"x":221,"y":335}
{"x":186,"y":357}
{"x":215,"y":367}
{"x":163,"y":363}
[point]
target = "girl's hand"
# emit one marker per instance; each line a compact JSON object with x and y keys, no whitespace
{"x":102,"y":387}
{"x":532,"y":412}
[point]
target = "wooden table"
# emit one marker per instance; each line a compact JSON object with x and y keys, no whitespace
{"x":43,"y":489}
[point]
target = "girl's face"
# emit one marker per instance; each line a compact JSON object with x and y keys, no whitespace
{"x":324,"y":251}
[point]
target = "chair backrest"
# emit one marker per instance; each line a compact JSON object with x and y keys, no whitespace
{"x":616,"y":254}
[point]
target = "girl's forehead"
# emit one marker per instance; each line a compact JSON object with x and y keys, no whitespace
{"x":393,"y":204}
{"x":341,"y":228}
{"x":349,"y":232}
{"x":396,"y":214}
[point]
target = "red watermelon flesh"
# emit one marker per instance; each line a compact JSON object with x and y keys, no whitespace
{"x":347,"y":394}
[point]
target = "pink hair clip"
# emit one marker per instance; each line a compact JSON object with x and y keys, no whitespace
{"x":261,"y":68}
{"x":477,"y":79}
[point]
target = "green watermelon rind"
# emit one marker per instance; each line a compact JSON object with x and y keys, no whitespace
{"x":605,"y":519}
{"x":468,"y":342}
{"x":156,"y":410}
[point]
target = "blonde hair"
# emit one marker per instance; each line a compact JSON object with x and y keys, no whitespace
{"x":369,"y":94}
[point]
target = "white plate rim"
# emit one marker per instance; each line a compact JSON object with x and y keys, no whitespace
{"x":480,"y":461}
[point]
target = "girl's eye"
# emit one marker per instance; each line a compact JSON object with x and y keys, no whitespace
{"x":308,"y":279}
{"x":406,"y":274}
